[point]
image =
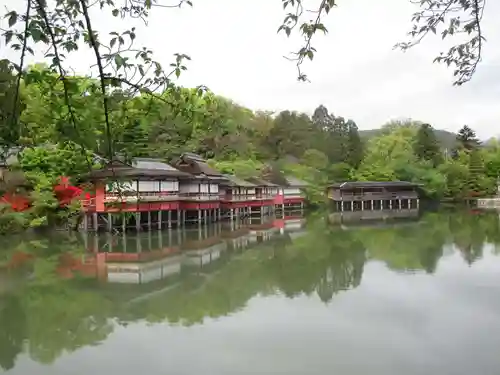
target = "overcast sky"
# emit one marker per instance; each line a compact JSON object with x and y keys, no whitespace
{"x":237,"y":53}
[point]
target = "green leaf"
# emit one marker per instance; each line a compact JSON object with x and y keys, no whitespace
{"x":8,"y":36}
{"x":119,"y":61}
{"x":36,"y":34}
{"x":321,"y":27}
{"x":12,"y":18}
{"x":112,"y":42}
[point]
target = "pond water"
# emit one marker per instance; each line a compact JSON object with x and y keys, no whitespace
{"x":295,"y":296}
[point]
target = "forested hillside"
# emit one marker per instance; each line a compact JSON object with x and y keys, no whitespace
{"x":60,"y":126}
{"x":446,"y":139}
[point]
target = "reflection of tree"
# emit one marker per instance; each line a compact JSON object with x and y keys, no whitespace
{"x":323,"y":261}
{"x":12,"y":330}
{"x":51,"y":315}
{"x":64,"y":318}
{"x":470,"y":232}
{"x":345,"y":269}
{"x":420,"y":246}
{"x":408,"y":247}
{"x":490,"y":222}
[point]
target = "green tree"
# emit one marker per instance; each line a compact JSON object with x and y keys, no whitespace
{"x":478,"y":182}
{"x":290,"y":134}
{"x":426,"y":146}
{"x":10,"y":109}
{"x":354,"y":155}
{"x":466,"y":138}
{"x":134,"y":140}
{"x":315,"y":159}
{"x":456,"y":177}
{"x":492,"y":160}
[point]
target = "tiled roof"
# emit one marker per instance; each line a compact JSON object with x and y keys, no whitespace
{"x":293,"y":181}
{"x":366,"y":184}
{"x":260,"y":182}
{"x":139,"y":167}
{"x":235,"y":181}
{"x":150,"y":163}
{"x":195,"y":164}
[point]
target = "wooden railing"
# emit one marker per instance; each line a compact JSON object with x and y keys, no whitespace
{"x":159,"y":196}
{"x":141,"y":196}
{"x":200,"y":196}
{"x":293,"y":196}
{"x":238,"y":198}
{"x":249,"y":197}
{"x":373,"y":196}
{"x":166,"y":196}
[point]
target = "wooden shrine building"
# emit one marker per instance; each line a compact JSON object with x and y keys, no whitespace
{"x":290,"y":193}
{"x":265,"y":195}
{"x":293,"y":192}
{"x":200,"y":194}
{"x":148,"y":188}
{"x":238,"y":196}
{"x":360,"y":196}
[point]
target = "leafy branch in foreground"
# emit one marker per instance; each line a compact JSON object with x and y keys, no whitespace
{"x":307,"y":29}
{"x":451,"y":18}
{"x":65,"y":26}
{"x":460,"y":18}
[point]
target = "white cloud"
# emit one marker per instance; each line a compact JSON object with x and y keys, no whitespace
{"x":356,"y":74}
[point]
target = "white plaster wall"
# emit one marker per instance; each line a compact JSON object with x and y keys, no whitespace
{"x":169,"y":186}
{"x":291,"y":191}
{"x":188,"y":188}
{"x":149,"y":186}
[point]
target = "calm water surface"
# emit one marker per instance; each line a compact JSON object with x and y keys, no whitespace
{"x":301,"y":297}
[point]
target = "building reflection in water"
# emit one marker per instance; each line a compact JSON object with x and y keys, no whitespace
{"x":151,"y":256}
{"x":374,"y":218}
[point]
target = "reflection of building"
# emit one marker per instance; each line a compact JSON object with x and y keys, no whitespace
{"x":139,"y":273}
{"x":151,"y":257}
{"x":373,"y":218}
{"x":201,"y":253}
{"x":291,"y":225}
{"x":262,"y":231}
{"x":237,"y":236}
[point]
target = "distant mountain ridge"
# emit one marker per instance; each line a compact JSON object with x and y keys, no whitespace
{"x":446,"y":138}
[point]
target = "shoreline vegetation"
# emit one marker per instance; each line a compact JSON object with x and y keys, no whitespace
{"x":320,"y":149}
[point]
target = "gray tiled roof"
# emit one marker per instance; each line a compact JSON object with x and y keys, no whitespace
{"x":235,"y":181}
{"x":150,"y":163}
{"x":365,"y":184}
